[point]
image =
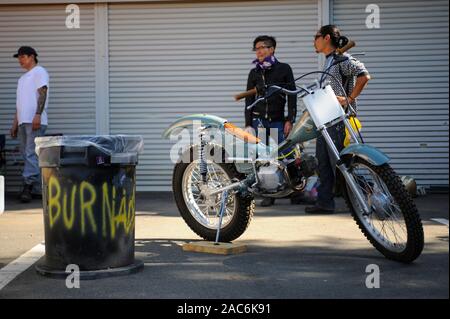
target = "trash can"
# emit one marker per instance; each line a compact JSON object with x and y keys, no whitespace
{"x":89,"y":194}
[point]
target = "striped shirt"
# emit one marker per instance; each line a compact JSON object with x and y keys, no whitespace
{"x":344,"y":73}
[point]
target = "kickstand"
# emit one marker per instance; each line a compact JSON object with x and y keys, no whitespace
{"x":222,"y":210}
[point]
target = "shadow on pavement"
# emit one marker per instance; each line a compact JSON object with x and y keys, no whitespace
{"x":306,"y":269}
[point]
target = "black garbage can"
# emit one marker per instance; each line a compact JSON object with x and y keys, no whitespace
{"x":88,"y":193}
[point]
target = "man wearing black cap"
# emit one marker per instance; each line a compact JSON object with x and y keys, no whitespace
{"x":30,"y":120}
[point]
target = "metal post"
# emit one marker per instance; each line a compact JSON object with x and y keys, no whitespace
{"x":222,"y":209}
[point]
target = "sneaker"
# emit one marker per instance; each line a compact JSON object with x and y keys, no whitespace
{"x":318,"y":210}
{"x":266,"y":202}
{"x":25,"y":196}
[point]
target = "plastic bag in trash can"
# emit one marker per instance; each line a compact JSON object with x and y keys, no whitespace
{"x":109,"y":144}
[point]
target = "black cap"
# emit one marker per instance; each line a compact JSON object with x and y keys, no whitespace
{"x":25,"y":50}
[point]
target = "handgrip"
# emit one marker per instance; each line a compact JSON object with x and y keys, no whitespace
{"x":346,"y":47}
{"x":242,"y":95}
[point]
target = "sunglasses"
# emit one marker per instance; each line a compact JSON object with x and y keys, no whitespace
{"x":260,"y":48}
{"x":318,"y":36}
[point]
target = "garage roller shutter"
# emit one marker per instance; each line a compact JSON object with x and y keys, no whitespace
{"x":68,"y":56}
{"x":170,"y":60}
{"x":404,"y":110}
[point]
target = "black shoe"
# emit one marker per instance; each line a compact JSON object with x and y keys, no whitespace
{"x":25,"y":196}
{"x":318,"y":210}
{"x":266,"y":202}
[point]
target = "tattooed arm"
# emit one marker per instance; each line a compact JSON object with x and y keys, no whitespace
{"x":15,"y":127}
{"x":41,"y":100}
{"x":40,"y":107}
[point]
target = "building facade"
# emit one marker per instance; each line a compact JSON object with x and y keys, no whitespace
{"x":134,"y":67}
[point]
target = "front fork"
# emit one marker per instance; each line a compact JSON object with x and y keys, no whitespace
{"x":344,"y":170}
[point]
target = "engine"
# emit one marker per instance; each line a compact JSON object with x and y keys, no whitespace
{"x":301,"y":168}
{"x":280,"y":176}
{"x":271,"y":177}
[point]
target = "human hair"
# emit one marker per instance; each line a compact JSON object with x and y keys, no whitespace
{"x":337,"y":40}
{"x":268,"y":40}
{"x":34,"y":56}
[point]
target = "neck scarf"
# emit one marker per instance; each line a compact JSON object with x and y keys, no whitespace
{"x":266,"y":63}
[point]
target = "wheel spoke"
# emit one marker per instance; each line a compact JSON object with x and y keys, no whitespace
{"x":386,"y":221}
{"x":199,"y":207}
{"x":390,"y":226}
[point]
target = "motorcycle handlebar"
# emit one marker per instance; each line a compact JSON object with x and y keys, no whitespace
{"x":253,"y":91}
{"x":276,"y":88}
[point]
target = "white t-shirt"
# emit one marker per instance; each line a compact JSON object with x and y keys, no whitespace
{"x":27,"y":95}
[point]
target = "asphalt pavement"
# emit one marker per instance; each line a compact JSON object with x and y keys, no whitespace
{"x":291,"y":255}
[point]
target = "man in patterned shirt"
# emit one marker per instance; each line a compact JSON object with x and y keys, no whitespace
{"x":353,"y":76}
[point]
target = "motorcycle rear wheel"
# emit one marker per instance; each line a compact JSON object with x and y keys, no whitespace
{"x":239,"y":208}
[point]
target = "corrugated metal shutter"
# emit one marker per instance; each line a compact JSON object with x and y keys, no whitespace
{"x":170,"y":60}
{"x":404,"y":109}
{"x":68,"y":56}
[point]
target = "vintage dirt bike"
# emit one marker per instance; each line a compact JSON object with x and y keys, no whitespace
{"x":375,"y":195}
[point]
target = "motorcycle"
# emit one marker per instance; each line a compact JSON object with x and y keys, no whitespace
{"x":207,"y":177}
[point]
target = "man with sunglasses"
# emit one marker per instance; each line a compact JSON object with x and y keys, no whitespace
{"x":352,"y":76}
{"x":270,"y":114}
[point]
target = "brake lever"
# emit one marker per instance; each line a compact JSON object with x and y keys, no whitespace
{"x":256,"y":102}
{"x":269,"y":91}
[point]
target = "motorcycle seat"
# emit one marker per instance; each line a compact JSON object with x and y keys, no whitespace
{"x":241,"y":134}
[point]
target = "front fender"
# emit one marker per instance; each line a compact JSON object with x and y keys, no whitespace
{"x":366,"y":152}
{"x":185,"y":121}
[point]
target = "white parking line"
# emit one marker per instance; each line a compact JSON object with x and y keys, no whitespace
{"x":440,"y":221}
{"x":16,"y":267}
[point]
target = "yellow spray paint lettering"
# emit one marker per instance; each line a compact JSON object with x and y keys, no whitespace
{"x":76,"y":206}
{"x":121,"y":217}
{"x":68,"y":221}
{"x":54,"y":206}
{"x":86,"y":206}
{"x":130,"y":213}
{"x":108,"y":210}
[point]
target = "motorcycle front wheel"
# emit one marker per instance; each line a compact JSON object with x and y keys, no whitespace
{"x":393,"y":225}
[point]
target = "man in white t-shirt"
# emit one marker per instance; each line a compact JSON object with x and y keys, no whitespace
{"x":31,"y":117}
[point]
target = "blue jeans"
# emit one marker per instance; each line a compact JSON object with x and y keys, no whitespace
{"x":327,"y":165}
{"x":31,"y":173}
{"x":262,"y":123}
